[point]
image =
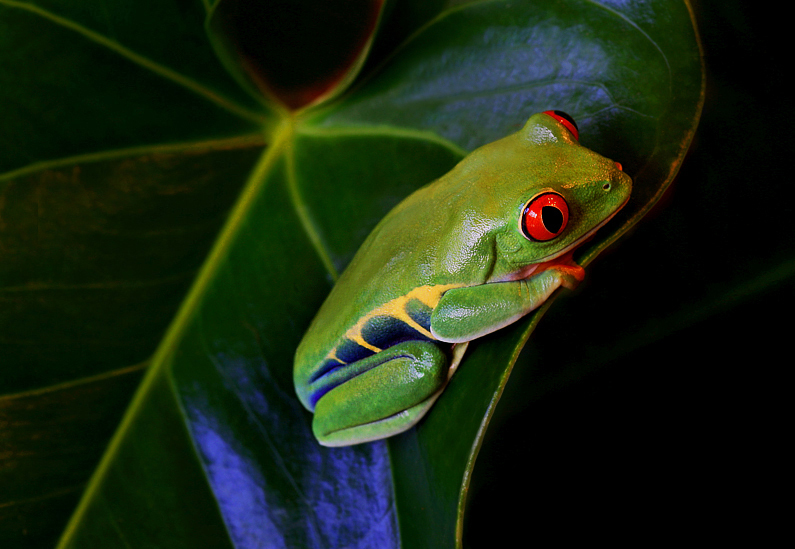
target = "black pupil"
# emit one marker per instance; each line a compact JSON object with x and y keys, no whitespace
{"x":552,"y":218}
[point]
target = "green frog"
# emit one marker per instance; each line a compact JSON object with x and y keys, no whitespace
{"x":463,"y":256}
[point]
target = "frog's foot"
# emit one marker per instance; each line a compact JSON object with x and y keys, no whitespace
{"x":569,"y":272}
{"x":388,"y":397}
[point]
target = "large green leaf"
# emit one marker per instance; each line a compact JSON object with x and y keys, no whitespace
{"x":120,"y":154}
{"x":115,"y":204}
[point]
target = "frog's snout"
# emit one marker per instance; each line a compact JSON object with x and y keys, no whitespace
{"x":618,"y":187}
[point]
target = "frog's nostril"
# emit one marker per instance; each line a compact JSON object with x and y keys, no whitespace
{"x":606,"y":186}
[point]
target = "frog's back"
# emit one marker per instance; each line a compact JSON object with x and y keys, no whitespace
{"x":384,"y":297}
{"x":435,"y":240}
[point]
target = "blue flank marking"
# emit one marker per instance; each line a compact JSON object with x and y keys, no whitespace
{"x":381,"y":331}
{"x":385,"y":331}
{"x":329,"y":366}
{"x":349,"y":351}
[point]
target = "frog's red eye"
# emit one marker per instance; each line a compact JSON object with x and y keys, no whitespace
{"x":567,"y":121}
{"x":545,"y":217}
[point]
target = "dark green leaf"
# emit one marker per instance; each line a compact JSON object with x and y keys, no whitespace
{"x":70,"y":89}
{"x":121,"y":152}
{"x":99,"y":249}
{"x":51,"y":441}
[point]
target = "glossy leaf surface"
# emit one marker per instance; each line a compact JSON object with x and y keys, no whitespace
{"x":215,"y":431}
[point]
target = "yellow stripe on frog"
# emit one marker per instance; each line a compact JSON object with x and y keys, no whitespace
{"x":396,"y":308}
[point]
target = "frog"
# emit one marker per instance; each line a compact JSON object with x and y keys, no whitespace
{"x":461,"y":257}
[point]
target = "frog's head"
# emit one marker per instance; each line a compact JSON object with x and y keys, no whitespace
{"x":553,"y":192}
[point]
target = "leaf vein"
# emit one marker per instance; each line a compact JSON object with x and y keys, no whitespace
{"x":303,"y":214}
{"x":161,"y":70}
{"x":103,"y":285}
{"x":241,"y":141}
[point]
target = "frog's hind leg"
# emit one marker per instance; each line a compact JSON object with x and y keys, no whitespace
{"x":393,"y":390}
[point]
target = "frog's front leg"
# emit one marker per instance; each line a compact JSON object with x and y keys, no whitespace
{"x":464,"y":314}
{"x":380,"y":395}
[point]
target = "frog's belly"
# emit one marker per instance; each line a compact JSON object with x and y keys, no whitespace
{"x":404,"y":318}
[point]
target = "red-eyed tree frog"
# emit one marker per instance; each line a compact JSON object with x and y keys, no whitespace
{"x":461,"y":257}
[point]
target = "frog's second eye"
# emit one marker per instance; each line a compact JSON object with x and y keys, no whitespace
{"x":567,"y":121}
{"x":545,"y":216}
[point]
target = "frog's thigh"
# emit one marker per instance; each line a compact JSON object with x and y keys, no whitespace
{"x":464,"y":314}
{"x":384,"y":400}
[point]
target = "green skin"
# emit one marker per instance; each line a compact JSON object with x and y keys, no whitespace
{"x":447,"y":265}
